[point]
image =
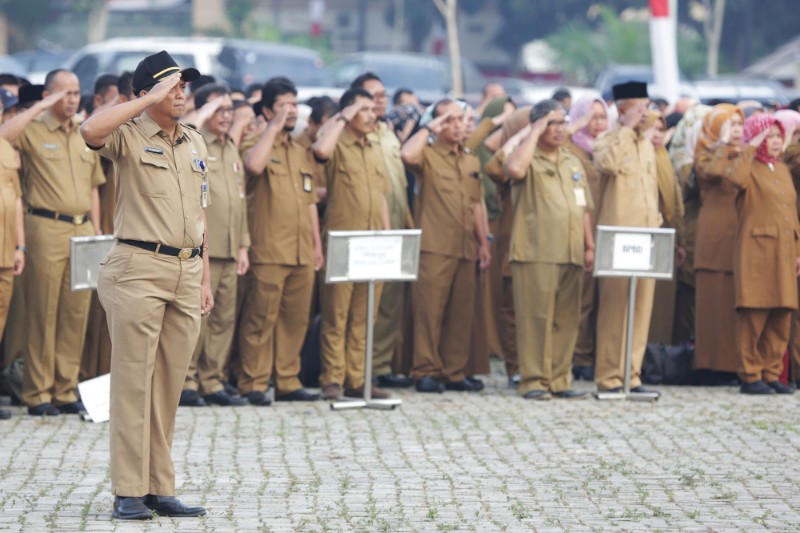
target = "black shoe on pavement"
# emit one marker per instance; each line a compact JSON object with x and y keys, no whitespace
{"x":477,"y":384}
{"x":43,"y":409}
{"x":74,"y":408}
{"x":584,"y":372}
{"x":780,"y":388}
{"x":300,"y":395}
{"x":393,"y":381}
{"x":570,"y":394}
{"x":231,"y":389}
{"x":258,"y":399}
{"x":126,"y":508}
{"x":428,"y":384}
{"x":171,"y":506}
{"x":643,"y":390}
{"x":513,"y":381}
{"x":191,"y":398}
{"x":756,"y":387}
{"x":537,"y":395}
{"x":464,"y":385}
{"x":223,"y":398}
{"x":5,"y":415}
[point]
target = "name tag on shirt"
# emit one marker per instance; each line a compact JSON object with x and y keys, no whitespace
{"x":50,"y":146}
{"x":152,"y":150}
{"x":580,"y":196}
{"x":306,"y":182}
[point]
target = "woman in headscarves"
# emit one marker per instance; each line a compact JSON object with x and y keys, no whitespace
{"x":588,"y":118}
{"x":790,"y":120}
{"x":681,"y":152}
{"x":767,"y":253}
{"x":670,"y":205}
{"x":722,"y":134}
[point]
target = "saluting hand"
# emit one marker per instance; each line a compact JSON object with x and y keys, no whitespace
{"x":756,"y":141}
{"x":161,"y":89}
{"x":280,"y":118}
{"x":51,"y":99}
{"x":350,"y":112}
{"x":725,"y":132}
{"x":579,"y":124}
{"x":633,"y":115}
{"x":207,"y":111}
{"x":538,"y":127}
{"x":436,"y":125}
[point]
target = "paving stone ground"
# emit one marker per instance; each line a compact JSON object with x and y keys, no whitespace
{"x":700,"y":459}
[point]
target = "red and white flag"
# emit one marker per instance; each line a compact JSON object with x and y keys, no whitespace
{"x":664,"y":48}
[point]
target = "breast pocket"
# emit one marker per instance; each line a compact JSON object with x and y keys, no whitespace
{"x":89,"y":158}
{"x":155,"y":177}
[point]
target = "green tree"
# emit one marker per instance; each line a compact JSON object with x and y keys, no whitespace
{"x":237,"y":13}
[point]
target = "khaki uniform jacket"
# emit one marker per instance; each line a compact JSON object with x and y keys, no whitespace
{"x":717,"y":219}
{"x":58,"y":170}
{"x":396,"y":199}
{"x":277,"y":205}
{"x":10,"y":191}
{"x":548,"y":220}
{"x":768,"y":233}
{"x":152,"y":174}
{"x":626,"y":163}
{"x":449,"y":184}
{"x":592,"y":177}
{"x":357,"y":185}
{"x":305,"y":140}
{"x":496,"y":172}
{"x":227,"y":216}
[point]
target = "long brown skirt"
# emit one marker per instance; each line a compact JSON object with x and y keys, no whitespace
{"x":663,"y":312}
{"x":715,"y":322}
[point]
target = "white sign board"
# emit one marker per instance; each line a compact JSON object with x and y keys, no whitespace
{"x":96,"y":397}
{"x":632,"y":251}
{"x":375,"y":257}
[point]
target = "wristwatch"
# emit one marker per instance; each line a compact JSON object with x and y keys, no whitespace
{"x":23,"y":249}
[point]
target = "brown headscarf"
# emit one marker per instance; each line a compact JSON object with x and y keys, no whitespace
{"x":712,"y":125}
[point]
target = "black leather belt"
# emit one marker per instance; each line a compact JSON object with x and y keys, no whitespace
{"x":183,"y":253}
{"x":46,"y":213}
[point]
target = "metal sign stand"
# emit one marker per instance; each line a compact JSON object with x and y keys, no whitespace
{"x":657,"y":262}
{"x":398,"y":260}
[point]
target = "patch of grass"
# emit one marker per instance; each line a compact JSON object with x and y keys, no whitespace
{"x":519,"y":511}
{"x":693,"y":514}
{"x":432,"y":513}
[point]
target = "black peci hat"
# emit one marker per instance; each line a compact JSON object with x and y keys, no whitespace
{"x":630,"y":89}
{"x":152,"y":69}
{"x":29,"y":94}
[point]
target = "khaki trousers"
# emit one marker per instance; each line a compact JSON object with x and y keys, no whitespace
{"x":444,"y":305}
{"x":612,"y":320}
{"x":585,"y":345}
{"x":484,"y":332}
{"x":762,"y":336}
{"x":216,"y":331}
{"x":387,"y":327}
{"x":794,"y":344}
{"x":508,"y":327}
{"x":547,"y":300}
{"x":343,"y":336}
{"x":15,"y":336}
{"x":6,"y":290}
{"x":274,"y":324}
{"x":153,"y":307}
{"x":97,"y":347}
{"x":57,"y":316}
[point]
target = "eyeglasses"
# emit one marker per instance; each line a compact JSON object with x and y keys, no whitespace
{"x":224,"y":111}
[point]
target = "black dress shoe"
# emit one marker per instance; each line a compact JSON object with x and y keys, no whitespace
{"x":131,"y":509}
{"x":477,"y":384}
{"x":171,"y":506}
{"x":300,"y":395}
{"x":464,"y":386}
{"x":428,"y":384}
{"x":191,"y":398}
{"x":570,"y":394}
{"x":231,"y":389}
{"x":537,"y":395}
{"x":643,"y":390}
{"x":258,"y":399}
{"x":584,"y":372}
{"x":513,"y":381}
{"x":223,"y":398}
{"x":43,"y":409}
{"x":392,"y":381}
{"x":5,"y":415}
{"x":780,"y":388}
{"x":74,"y":408}
{"x":756,"y":387}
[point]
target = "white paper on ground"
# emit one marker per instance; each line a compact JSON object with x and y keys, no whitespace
{"x":96,"y":397}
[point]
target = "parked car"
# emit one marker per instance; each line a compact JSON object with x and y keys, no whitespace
{"x":428,"y":76}
{"x":235,"y":62}
{"x":737,"y":89}
{"x":39,"y":62}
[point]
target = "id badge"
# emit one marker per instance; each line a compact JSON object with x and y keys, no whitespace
{"x":580,"y":196}
{"x":240,"y":183}
{"x":204,"y":194}
{"x":307,"y":185}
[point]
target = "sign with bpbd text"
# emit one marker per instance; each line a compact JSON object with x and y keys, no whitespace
{"x":632,"y":251}
{"x":625,"y":252}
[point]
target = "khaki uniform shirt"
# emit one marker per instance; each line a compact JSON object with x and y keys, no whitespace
{"x":159,"y":187}
{"x":357,"y":185}
{"x":397,"y":199}
{"x":549,"y":203}
{"x":278,"y":200}
{"x":227,"y":216}
{"x":58,"y":170}
{"x":10,"y":191}
{"x":305,"y":140}
{"x":449,"y":184}
{"x":626,"y":163}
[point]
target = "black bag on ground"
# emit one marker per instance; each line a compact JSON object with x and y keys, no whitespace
{"x":668,"y":365}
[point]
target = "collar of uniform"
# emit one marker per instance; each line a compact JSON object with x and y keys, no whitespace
{"x":283,"y":139}
{"x":52,"y":123}
{"x":348,"y":137}
{"x":444,"y":149}
{"x":152,"y":128}
{"x":211,"y":138}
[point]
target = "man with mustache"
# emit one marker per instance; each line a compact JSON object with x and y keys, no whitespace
{"x":59,"y":179}
{"x":285,"y":252}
